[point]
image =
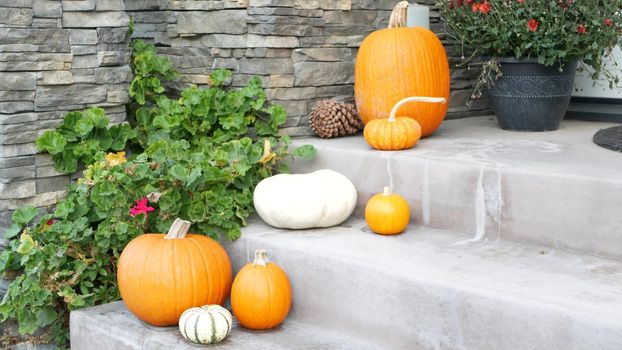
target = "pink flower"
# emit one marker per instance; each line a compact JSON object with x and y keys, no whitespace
{"x":608,"y":22}
{"x":141,"y":207}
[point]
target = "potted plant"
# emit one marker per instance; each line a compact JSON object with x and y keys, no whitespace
{"x":531,"y":50}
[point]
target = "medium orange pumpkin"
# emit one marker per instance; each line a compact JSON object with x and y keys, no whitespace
{"x":396,"y":133}
{"x":160,"y":276}
{"x":397,"y":62}
{"x":387,"y":213}
{"x":261,"y":295}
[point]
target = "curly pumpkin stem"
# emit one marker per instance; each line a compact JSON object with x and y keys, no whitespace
{"x":413,"y":99}
{"x":178,"y":229}
{"x":261,"y":258}
{"x":399,"y":15}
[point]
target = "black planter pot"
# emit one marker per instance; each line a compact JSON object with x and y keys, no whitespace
{"x":531,"y":97}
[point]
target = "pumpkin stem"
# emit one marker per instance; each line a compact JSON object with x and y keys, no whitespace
{"x":386,"y":191}
{"x":413,"y":99}
{"x":399,"y":15}
{"x":178,"y":229}
{"x":261,"y":258}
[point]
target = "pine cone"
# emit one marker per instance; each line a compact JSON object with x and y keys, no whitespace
{"x":330,"y":118}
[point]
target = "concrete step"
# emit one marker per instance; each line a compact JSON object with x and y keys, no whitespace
{"x":553,"y":188}
{"x":434,"y":289}
{"x":113,"y":327}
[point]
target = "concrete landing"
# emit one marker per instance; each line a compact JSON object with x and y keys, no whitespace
{"x":112,"y":326}
{"x":554,"y":188}
{"x":434,"y":289}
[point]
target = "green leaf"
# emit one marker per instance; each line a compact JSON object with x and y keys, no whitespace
{"x":179,"y":172}
{"x":84,"y":126}
{"x":46,"y":316}
{"x":51,"y":141}
{"x":5,"y":260}
{"x":63,"y":209}
{"x":305,"y":151}
{"x":219,"y":77}
{"x":66,"y":162}
{"x":12,"y":231}
{"x":24,"y":215}
{"x":97,"y":116}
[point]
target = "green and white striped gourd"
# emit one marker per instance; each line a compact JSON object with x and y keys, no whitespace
{"x":208,"y":324}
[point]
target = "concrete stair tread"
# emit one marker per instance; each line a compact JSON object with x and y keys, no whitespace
{"x":552,"y":188}
{"x":568,"y":151}
{"x":112,"y":326}
{"x":550,"y":278}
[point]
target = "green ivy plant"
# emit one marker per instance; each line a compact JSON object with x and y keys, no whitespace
{"x":197,"y":157}
{"x":80,"y":136}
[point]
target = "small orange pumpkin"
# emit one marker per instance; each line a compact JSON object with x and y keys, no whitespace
{"x":396,"y":133}
{"x":160,"y":276}
{"x":387,"y":213}
{"x":261,"y":295}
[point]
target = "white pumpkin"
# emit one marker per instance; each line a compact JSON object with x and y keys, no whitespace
{"x":322,"y":198}
{"x":208,"y":324}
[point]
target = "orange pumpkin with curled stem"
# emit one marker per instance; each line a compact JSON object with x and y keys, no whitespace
{"x":396,"y":133}
{"x":387,"y":213}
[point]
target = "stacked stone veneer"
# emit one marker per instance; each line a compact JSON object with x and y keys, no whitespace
{"x":57,"y":56}
{"x":303,"y":50}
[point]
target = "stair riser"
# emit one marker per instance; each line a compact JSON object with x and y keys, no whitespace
{"x":393,"y":312}
{"x":488,"y":200}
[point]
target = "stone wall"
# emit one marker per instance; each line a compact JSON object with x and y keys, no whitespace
{"x":303,"y":50}
{"x":55,"y":56}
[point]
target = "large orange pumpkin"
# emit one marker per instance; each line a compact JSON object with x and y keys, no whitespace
{"x":397,"y":62}
{"x":160,"y":276}
{"x":261,"y":295}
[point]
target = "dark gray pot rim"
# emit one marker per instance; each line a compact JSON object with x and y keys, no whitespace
{"x":507,"y":59}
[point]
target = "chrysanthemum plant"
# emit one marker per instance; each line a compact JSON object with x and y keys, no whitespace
{"x":550,"y":31}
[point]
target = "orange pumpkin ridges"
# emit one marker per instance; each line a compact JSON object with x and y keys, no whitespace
{"x":261,"y":295}
{"x":396,"y":133}
{"x":160,"y":276}
{"x":395,"y":63}
{"x":387,"y":213}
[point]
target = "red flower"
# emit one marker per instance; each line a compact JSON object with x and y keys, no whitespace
{"x":141,"y":207}
{"x":608,"y":22}
{"x":470,"y":2}
{"x":50,"y":222}
{"x":484,"y":7}
{"x":533,"y":25}
{"x":582,"y":29}
{"x":475,"y":8}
